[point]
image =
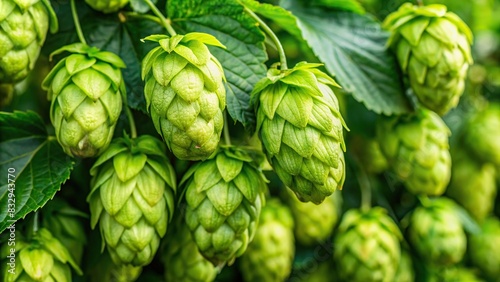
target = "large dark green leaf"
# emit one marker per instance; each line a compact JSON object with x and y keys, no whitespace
{"x":243,"y":60}
{"x":33,"y":163}
{"x":352,"y":46}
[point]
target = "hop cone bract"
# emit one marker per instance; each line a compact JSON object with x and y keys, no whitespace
{"x":107,"y":6}
{"x":417,"y":149}
{"x":224,"y":197}
{"x":23,"y":28}
{"x":86,"y":90}
{"x":366,"y":246}
{"x":270,"y":255}
{"x":185,"y":93}
{"x":300,"y":126}
{"x":132,"y":198}
{"x":436,"y":233}
{"x":433,"y":49}
{"x":484,"y":248}
{"x":42,"y":258}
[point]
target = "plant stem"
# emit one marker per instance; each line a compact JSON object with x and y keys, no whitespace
{"x":165,"y":22}
{"x":227,"y":137}
{"x":364,"y":185}
{"x":273,"y":37}
{"x":35,"y":223}
{"x":77,"y":23}
{"x":135,"y":15}
{"x":420,"y":2}
{"x":133,"y":130}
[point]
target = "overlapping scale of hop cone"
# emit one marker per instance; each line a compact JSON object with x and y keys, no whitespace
{"x":436,"y":233}
{"x":86,"y":89}
{"x":270,"y":255}
{"x":417,"y":149}
{"x":433,"y":49}
{"x":183,"y":261}
{"x":405,"y":272}
{"x":42,"y":258}
{"x":185,"y":93}
{"x":132,"y":198}
{"x":23,"y":28}
{"x":367,"y":246}
{"x":301,"y":128}
{"x":473,"y":184}
{"x":107,"y":6}
{"x":224,"y":198}
{"x":484,"y":248}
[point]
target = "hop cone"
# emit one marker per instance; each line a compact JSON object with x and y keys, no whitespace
{"x":366,"y":246}
{"x":185,"y":93}
{"x":405,"y":272}
{"x":417,"y":149}
{"x":455,"y":274}
{"x":484,"y":248}
{"x":433,"y":49}
{"x":183,"y":262}
{"x":132,"y":198}
{"x":436,"y":233}
{"x":270,"y":255}
{"x":482,"y":134}
{"x":472,"y":185}
{"x":86,"y":90}
{"x":370,"y":155}
{"x":314,"y":223}
{"x":43,"y":258}
{"x":23,"y":28}
{"x":107,"y":6}
{"x":300,"y":126}
{"x":224,"y":197}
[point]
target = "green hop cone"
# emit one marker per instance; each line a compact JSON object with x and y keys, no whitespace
{"x":23,"y":28}
{"x":224,"y":197}
{"x":185,"y":93}
{"x":301,"y":128}
{"x":132,"y":198}
{"x":455,"y":274}
{"x":42,"y":258}
{"x":314,"y":223}
{"x":436,"y":232}
{"x":367,"y":246}
{"x":484,"y":248}
{"x":107,"y":6}
{"x":472,"y":184}
{"x":270,"y":255}
{"x":369,"y":154}
{"x":482,"y":135}
{"x":86,"y":89}
{"x":183,"y":262}
{"x":417,"y":149}
{"x":405,"y":272}
{"x":433,"y":48}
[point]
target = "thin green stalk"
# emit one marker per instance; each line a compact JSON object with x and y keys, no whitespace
{"x":133,"y":130}
{"x":77,"y":23}
{"x":272,"y":35}
{"x":227,"y":137}
{"x":364,"y":185}
{"x":35,"y":223}
{"x":165,"y":22}
{"x":135,"y":15}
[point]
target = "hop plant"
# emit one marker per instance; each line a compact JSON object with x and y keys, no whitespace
{"x":367,"y":246}
{"x":42,"y":258}
{"x":405,"y":272}
{"x":182,"y":259}
{"x":132,"y":198}
{"x":417,"y":149}
{"x":270,"y":255}
{"x":482,"y":135}
{"x":433,"y":48}
{"x":370,"y":155}
{"x":300,"y":125}
{"x":185,"y":93}
{"x":455,"y":274}
{"x":472,"y":184}
{"x":314,"y":223}
{"x":484,"y":248}
{"x":23,"y":28}
{"x":224,"y":197}
{"x":86,"y":90}
{"x":436,"y":233}
{"x":107,"y":6}
{"x":321,"y":272}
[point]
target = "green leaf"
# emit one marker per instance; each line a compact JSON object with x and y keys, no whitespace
{"x":353,"y":48}
{"x":242,"y":61}
{"x":34,"y":162}
{"x":344,"y":5}
{"x":140,"y":6}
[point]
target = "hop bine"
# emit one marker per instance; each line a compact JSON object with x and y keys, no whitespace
{"x":224,"y":197}
{"x":301,"y":128}
{"x":132,"y":198}
{"x":86,"y":89}
{"x":433,"y":49}
{"x":185,"y":93}
{"x":107,"y":6}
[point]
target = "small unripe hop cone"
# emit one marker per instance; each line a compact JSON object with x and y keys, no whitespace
{"x":107,"y":6}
